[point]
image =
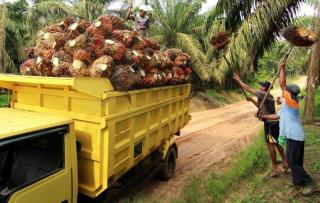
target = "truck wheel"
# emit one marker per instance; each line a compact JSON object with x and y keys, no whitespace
{"x":169,"y":164}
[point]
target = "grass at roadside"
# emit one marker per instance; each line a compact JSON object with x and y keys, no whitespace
{"x":217,"y":185}
{"x":258,"y":188}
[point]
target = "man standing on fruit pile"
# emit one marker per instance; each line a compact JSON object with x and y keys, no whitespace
{"x":271,"y":127}
{"x":141,"y":20}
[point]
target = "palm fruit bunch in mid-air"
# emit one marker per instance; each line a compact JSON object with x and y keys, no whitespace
{"x":104,"y":49}
{"x":220,"y":40}
{"x":299,"y":36}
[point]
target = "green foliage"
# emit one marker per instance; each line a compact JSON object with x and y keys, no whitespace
{"x":256,"y":33}
{"x":178,"y":24}
{"x":296,"y":62}
{"x":4,"y":100}
{"x":192,"y":191}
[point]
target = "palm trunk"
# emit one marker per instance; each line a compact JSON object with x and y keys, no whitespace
{"x":2,"y":35}
{"x":313,"y":77}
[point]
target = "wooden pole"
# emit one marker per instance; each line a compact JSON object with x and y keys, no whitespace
{"x":274,"y":80}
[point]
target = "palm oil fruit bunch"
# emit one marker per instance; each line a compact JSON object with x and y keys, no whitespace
{"x":299,"y":36}
{"x":220,"y":40}
{"x":104,"y":49}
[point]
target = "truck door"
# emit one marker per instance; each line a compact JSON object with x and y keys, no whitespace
{"x":34,"y":167}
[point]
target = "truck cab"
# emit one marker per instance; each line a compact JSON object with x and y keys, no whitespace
{"x":37,"y":157}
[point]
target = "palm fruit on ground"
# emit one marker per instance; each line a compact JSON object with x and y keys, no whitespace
{"x":81,"y":42}
{"x":61,"y":62}
{"x":127,"y":37}
{"x":123,"y":78}
{"x":117,"y":23}
{"x":172,"y":54}
{"x":299,"y":36}
{"x":220,"y":40}
{"x":102,"y":67}
{"x":28,"y":67}
{"x":79,"y":69}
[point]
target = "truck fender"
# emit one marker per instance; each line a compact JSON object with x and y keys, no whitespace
{"x":170,"y":142}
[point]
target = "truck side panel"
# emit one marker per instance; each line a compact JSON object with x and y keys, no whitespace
{"x":116,"y":130}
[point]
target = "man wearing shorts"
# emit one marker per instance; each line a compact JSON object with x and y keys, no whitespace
{"x":271,"y":127}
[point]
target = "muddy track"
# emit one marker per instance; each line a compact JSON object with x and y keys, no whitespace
{"x":208,"y":143}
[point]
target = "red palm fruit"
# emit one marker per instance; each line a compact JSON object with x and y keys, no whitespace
{"x":101,"y":67}
{"x":117,"y":23}
{"x":124,"y":78}
{"x":83,"y":55}
{"x":172,"y":54}
{"x":79,"y":69}
{"x":104,"y":23}
{"x":28,"y":67}
{"x":96,"y":32}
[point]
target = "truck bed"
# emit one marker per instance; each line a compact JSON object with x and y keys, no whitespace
{"x":116,"y":129}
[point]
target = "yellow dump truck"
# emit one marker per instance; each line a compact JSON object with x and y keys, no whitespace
{"x":62,"y":136}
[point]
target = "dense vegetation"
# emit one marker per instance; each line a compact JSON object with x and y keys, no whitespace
{"x":175,"y":24}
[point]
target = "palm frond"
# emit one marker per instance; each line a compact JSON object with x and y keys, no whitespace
{"x":191,"y":46}
{"x":256,"y":33}
{"x":234,"y":12}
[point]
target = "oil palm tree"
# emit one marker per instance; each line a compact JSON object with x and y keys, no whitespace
{"x":313,"y":80}
{"x":255,"y":26}
{"x":176,"y":24}
{"x":13,"y":27}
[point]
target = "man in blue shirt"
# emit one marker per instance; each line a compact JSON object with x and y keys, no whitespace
{"x":291,"y":132}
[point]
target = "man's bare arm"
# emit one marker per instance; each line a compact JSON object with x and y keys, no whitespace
{"x":129,"y":15}
{"x":282,"y":77}
{"x":253,"y":101}
{"x":244,"y":85}
{"x":270,"y":117}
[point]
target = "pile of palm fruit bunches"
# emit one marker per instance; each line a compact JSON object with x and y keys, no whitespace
{"x":104,"y":49}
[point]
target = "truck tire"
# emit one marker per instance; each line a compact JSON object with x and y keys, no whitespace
{"x":169,"y":164}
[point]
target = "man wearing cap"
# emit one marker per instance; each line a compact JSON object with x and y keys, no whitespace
{"x":292,"y":134}
{"x":271,"y":127}
{"x":141,"y":20}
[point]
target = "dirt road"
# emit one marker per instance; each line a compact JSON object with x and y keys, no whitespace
{"x":209,"y":142}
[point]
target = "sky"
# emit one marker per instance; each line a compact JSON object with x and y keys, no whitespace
{"x":305,"y":9}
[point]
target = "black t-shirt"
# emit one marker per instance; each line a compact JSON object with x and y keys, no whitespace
{"x":269,"y":105}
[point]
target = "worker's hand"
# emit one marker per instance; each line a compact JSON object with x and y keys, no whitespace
{"x":278,"y":101}
{"x":236,"y":76}
{"x":249,"y":99}
{"x":282,"y":66}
